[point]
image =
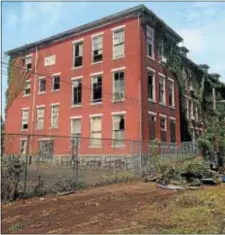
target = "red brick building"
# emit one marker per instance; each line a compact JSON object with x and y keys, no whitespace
{"x":102,"y":80}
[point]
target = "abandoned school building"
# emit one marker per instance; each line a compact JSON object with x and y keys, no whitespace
{"x":105,"y":81}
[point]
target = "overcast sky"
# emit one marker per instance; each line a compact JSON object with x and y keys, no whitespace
{"x":201,"y":24}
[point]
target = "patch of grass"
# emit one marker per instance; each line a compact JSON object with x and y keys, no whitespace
{"x":201,"y":211}
{"x":17,"y":226}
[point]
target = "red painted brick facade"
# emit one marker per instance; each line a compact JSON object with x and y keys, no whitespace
{"x":135,"y":62}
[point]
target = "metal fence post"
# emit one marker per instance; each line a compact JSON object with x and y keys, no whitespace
{"x":26,"y":164}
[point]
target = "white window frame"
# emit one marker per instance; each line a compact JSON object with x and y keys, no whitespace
{"x":92,"y":117}
{"x":150,"y":70}
{"x":164,"y":117}
{"x":121,"y":95}
{"x":28,"y":58}
{"x":28,"y":83}
{"x":74,"y":135}
{"x":192,"y":110}
{"x":171,"y":81}
{"x":25,"y":145}
{"x":151,"y":30}
{"x":39,"y":85}
{"x":118,"y":114}
{"x":114,"y":44}
{"x":40,"y":126}
{"x":25,"y":121}
{"x":80,"y":41}
{"x":99,"y":35}
{"x":53,"y":81}
{"x":161,"y":76}
{"x":94,"y":76}
{"x":55,"y":116}
{"x":75,"y":83}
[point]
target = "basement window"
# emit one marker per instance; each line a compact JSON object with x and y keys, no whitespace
{"x":78,"y":54}
{"x":97,"y":49}
{"x":96,"y":89}
{"x":56,"y":82}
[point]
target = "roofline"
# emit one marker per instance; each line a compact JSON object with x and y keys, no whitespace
{"x":93,"y":25}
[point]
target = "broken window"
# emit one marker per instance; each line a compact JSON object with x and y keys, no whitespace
{"x":40,"y":118}
{"x":118,"y":89}
{"x":23,"y":146}
{"x":25,"y":115}
{"x":96,"y":89}
{"x":28,"y":63}
{"x":96,"y":131}
{"x":172,"y":131}
{"x":77,"y":92}
{"x":151,"y":86}
{"x":55,"y":82}
{"x":150,"y":41}
{"x":162,"y":86}
{"x":163,"y":129}
{"x":97,"y":48}
{"x":27,"y":88}
{"x":118,"y":129}
{"x":75,"y":131}
{"x":171,"y":94}
{"x":152,"y":127}
{"x":161,"y":53}
{"x":118,"y":43}
{"x":42,"y":85}
{"x":54,"y":116}
{"x":78,"y":54}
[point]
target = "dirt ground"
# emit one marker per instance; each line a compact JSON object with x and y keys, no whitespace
{"x":134,"y":207}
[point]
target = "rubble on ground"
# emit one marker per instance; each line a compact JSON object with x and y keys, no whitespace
{"x":189,"y":175}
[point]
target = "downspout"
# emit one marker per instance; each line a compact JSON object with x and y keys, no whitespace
{"x":140,"y":92}
{"x":34,"y":98}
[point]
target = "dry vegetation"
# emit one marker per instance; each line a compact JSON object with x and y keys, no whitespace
{"x":133,"y":207}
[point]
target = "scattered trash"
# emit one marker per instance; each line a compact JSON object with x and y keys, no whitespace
{"x":171,"y":186}
{"x":208,"y":181}
{"x":194,"y":187}
{"x":42,"y":199}
{"x":65,"y":193}
{"x":223,"y":179}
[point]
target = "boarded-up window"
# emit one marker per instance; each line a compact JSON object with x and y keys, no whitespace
{"x":54,"y":116}
{"x":40,"y":118}
{"x":118,"y":43}
{"x":45,"y":150}
{"x":75,"y":131}
{"x":152,"y":127}
{"x":96,"y":131}
{"x":172,"y":131}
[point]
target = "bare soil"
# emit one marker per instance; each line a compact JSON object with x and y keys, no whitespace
{"x":134,"y":207}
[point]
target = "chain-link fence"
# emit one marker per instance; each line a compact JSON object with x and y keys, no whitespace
{"x":51,"y":161}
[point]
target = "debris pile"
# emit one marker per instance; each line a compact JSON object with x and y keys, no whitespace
{"x":191,"y":174}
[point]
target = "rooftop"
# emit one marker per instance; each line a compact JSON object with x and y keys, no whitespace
{"x":134,"y":11}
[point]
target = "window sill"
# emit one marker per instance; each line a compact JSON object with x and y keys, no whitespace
{"x":172,"y":107}
{"x":24,"y":129}
{"x":91,"y":146}
{"x":163,"y":104}
{"x":118,"y":101}
{"x":96,"y":103}
{"x":151,"y":58}
{"x":50,"y":128}
{"x":119,"y":57}
{"x":118,"y":146}
{"x":39,"y":129}
{"x":99,"y":62}
{"x":153,"y":101}
{"x":55,"y":90}
{"x":74,"y":68}
{"x":76,"y":106}
{"x":41,"y":93}
{"x":26,"y":95}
